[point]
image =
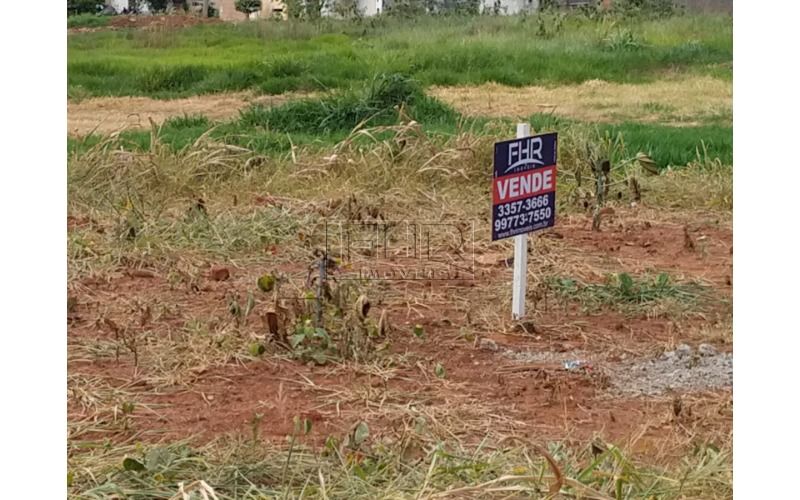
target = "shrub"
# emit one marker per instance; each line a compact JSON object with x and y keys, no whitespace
{"x":342,"y":112}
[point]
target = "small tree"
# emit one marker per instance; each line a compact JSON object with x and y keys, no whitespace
{"x":248,"y":6}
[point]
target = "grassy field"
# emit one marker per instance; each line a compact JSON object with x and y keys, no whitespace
{"x":87,"y":21}
{"x":193,"y":362}
{"x":320,"y":123}
{"x":278,"y":57}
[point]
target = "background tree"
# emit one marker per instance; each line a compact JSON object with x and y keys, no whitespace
{"x":248,"y":6}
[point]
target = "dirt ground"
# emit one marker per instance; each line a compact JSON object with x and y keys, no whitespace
{"x":150,"y":22}
{"x":171,"y":21}
{"x":485,"y":385}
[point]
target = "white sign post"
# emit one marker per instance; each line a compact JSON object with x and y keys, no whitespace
{"x":523,"y":197}
{"x":520,"y":255}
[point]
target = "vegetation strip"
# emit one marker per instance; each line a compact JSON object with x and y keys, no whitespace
{"x":278,"y":57}
{"x":388,"y":99}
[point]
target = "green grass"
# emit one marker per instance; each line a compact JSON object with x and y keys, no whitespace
{"x":377,"y":104}
{"x":318,"y":122}
{"x":667,"y":145}
{"x":629,"y":294}
{"x":322,"y":122}
{"x":675,"y":146}
{"x":87,"y":21}
{"x":276,"y":57}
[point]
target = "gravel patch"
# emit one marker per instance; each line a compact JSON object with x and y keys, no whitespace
{"x":684,"y":369}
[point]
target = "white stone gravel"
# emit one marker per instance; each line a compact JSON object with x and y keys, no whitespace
{"x":686,"y":369}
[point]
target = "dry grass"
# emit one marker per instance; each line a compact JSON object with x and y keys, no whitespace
{"x":106,"y":115}
{"x":685,"y":100}
{"x":413,"y":463}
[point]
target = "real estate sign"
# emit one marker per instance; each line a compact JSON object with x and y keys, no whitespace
{"x":524,"y":185}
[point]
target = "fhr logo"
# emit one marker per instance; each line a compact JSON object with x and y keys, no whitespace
{"x":519,"y":155}
{"x":524,"y":152}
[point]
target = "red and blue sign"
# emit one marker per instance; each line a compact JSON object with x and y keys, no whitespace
{"x":524,"y":185}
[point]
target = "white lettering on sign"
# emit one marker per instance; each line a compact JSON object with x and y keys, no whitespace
{"x":526,"y":152}
{"x":547,"y":179}
{"x":502,"y":188}
{"x":524,"y":184}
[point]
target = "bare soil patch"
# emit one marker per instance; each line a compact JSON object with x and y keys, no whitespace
{"x":150,"y":22}
{"x":482,"y":390}
{"x":171,"y":21}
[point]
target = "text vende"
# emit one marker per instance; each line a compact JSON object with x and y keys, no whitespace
{"x":522,"y":185}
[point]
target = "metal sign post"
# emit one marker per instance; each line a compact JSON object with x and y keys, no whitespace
{"x":523,"y":198}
